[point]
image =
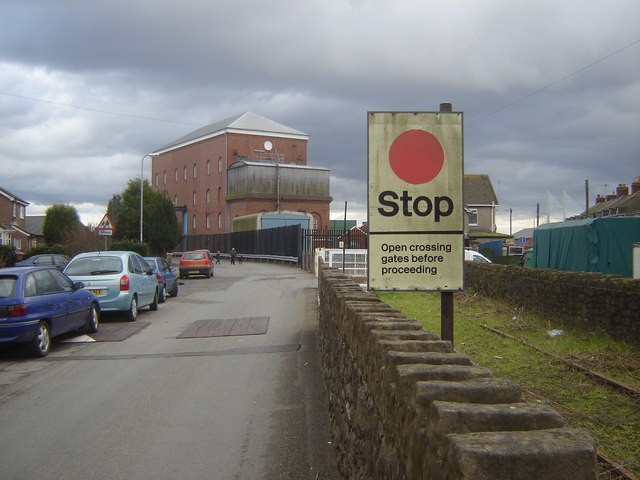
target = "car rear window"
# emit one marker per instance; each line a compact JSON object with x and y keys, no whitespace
{"x":7,"y":286}
{"x":193,"y":256}
{"x":94,"y":266}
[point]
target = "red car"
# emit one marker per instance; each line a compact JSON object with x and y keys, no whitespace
{"x":196,"y":262}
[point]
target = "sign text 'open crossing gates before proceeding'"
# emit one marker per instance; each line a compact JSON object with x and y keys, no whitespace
{"x":415,"y":204}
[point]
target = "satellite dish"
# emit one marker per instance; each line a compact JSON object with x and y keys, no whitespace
{"x":268,"y":145}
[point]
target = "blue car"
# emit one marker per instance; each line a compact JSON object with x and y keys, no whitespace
{"x":55,"y":259}
{"x":38,"y":303}
{"x":167,"y":280}
{"x":122,"y":281}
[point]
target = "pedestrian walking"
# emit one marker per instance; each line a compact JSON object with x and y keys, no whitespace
{"x":233,"y":256}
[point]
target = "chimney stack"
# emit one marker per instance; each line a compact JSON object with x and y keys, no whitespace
{"x":622,"y":190}
{"x":635,"y":186}
{"x":600,"y":199}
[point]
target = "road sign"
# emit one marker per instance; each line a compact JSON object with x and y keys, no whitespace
{"x":415,"y":204}
{"x":105,"y":224}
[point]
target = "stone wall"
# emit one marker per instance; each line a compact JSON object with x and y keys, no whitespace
{"x":586,"y":300}
{"x":404,"y":405}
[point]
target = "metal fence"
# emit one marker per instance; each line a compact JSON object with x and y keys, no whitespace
{"x":290,"y":241}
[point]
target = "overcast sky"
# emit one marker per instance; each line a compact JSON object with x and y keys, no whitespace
{"x":550,"y":90}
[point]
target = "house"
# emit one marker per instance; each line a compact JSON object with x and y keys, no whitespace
{"x":621,"y":204}
{"x":240,"y":166}
{"x":13,"y":230}
{"x":480,"y":204}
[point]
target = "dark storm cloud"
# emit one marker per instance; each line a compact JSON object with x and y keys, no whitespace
{"x":550,"y":90}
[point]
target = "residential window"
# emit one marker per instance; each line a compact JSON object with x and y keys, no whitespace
{"x":164,"y":177}
{"x":175,"y":176}
{"x":473,"y":217}
{"x":209,"y":167}
{"x":184,"y":174}
{"x":219,"y":220}
{"x":208,"y":221}
{"x":156,"y":180}
{"x":220,"y":165}
{"x":194,"y":197}
{"x":195,"y":170}
{"x":208,"y":196}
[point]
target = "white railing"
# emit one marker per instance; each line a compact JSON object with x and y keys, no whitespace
{"x":355,"y":260}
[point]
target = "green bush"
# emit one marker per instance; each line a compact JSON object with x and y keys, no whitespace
{"x":131,"y":246}
{"x":8,"y":256}
{"x":43,"y":249}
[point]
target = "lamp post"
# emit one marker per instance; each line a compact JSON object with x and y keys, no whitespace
{"x":141,"y":191}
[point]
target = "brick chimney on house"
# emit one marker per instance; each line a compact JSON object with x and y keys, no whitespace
{"x":635,"y":186}
{"x":622,"y":190}
{"x":600,"y":199}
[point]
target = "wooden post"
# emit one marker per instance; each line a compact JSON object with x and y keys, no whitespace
{"x":446,"y":316}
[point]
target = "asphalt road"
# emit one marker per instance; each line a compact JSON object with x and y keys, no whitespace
{"x":155,"y":406}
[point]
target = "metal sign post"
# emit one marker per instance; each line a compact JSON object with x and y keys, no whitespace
{"x":105,"y":229}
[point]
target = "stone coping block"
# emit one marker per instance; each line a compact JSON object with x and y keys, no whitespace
{"x":443,"y":346}
{"x":404,"y":334}
{"x":392,"y":325}
{"x":422,"y":372}
{"x":478,"y":390}
{"x":431,"y":358}
{"x":557,"y":454}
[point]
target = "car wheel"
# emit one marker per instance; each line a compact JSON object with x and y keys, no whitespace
{"x":93,"y":320}
{"x":132,"y":313}
{"x":154,"y":304}
{"x":174,"y":290}
{"x":41,"y":342}
{"x":162,"y":294}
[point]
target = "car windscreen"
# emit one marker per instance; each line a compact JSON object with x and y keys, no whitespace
{"x":193,"y":256}
{"x":7,"y":286}
{"x":94,"y":266}
{"x":151,"y":263}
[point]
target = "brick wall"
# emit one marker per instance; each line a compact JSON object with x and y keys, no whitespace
{"x":404,"y":405}
{"x":587,"y":300}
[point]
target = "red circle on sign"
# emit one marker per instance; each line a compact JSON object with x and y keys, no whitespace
{"x":416,"y":156}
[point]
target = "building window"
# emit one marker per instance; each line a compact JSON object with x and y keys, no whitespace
{"x":184,"y":173}
{"x":175,"y":199}
{"x":209,"y":167}
{"x":194,"y":197}
{"x":193,"y":222}
{"x":208,"y":196}
{"x":155,"y":181}
{"x":195,"y":170}
{"x":220,"y":165}
{"x":219,"y":220}
{"x":175,"y":176}
{"x":473,"y":217}
{"x":219,"y":194}
{"x":164,"y":177}
{"x":208,"y":221}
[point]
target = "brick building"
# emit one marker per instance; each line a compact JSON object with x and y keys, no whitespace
{"x":13,"y":230}
{"x":238,"y":166}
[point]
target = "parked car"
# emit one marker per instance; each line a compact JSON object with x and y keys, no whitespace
{"x":38,"y":303}
{"x":122,"y":281}
{"x":57,"y":260}
{"x":167,"y":280}
{"x":196,"y":262}
{"x":473,"y":256}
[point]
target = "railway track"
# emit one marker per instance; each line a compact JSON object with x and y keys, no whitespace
{"x":609,"y":469}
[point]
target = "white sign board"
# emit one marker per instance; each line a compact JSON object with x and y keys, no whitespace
{"x":415,"y":204}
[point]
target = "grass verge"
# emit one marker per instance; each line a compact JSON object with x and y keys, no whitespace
{"x":610,"y":414}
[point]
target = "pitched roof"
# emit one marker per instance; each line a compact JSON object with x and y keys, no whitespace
{"x":247,"y":122}
{"x":14,"y":198}
{"x":478,"y":190}
{"x":625,"y":205}
{"x":34,"y":223}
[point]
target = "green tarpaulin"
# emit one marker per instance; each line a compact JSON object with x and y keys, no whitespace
{"x":595,"y":245}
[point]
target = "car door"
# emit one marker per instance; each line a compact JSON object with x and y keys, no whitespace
{"x":52,"y":299}
{"x":78,"y":303}
{"x":144,"y":284}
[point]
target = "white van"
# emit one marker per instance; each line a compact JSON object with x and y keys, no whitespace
{"x":473,"y":256}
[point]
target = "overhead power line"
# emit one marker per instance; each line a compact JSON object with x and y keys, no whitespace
{"x":97,"y":110}
{"x":555,"y":82}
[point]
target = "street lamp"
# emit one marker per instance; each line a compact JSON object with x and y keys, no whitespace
{"x":141,"y":190}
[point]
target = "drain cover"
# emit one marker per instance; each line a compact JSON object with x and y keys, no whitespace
{"x":226,"y":327}
{"x":117,"y":332}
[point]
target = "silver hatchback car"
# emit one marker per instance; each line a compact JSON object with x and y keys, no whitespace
{"x":122,"y":281}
